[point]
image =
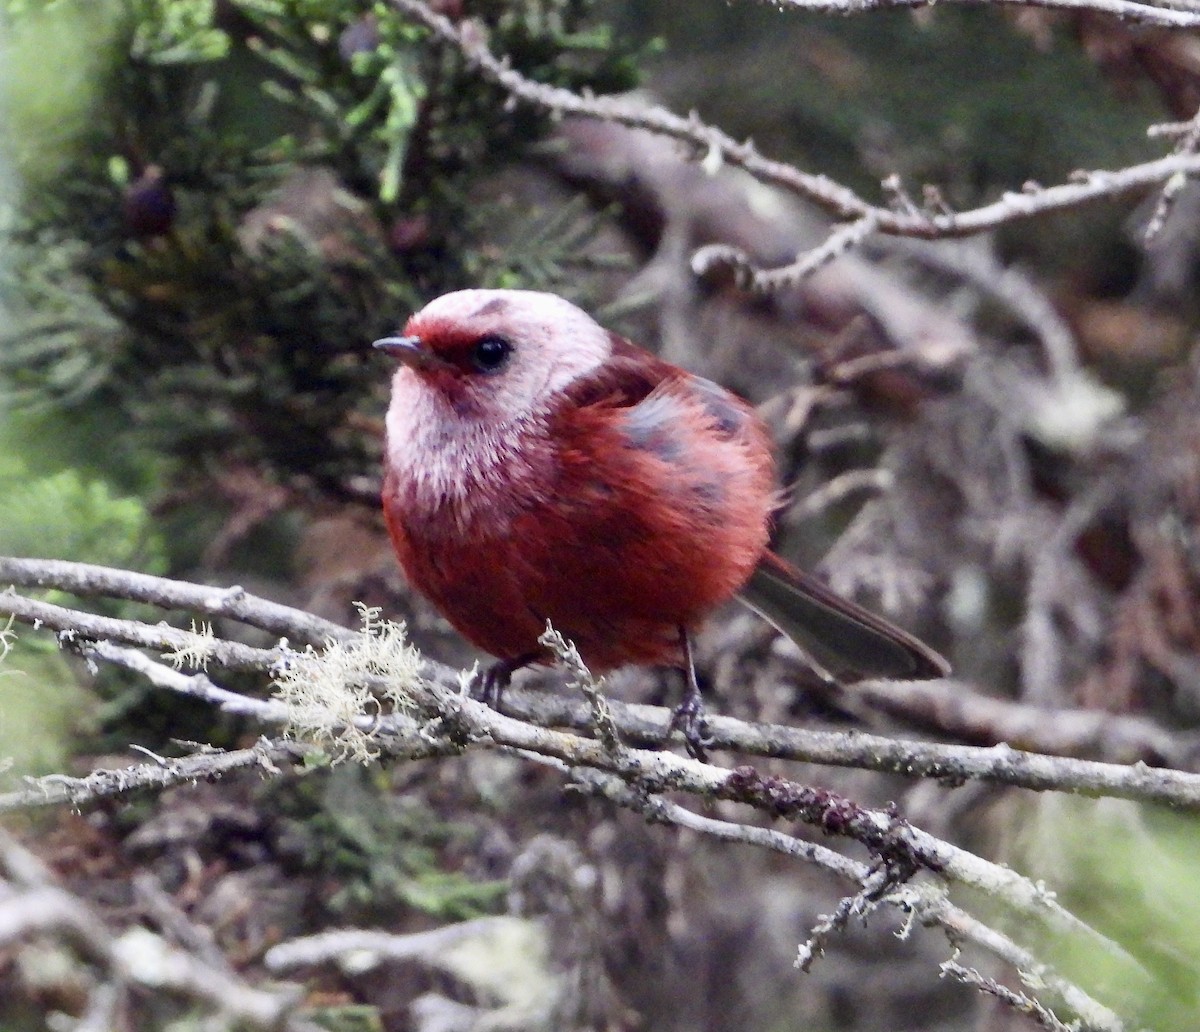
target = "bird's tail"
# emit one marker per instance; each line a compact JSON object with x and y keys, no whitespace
{"x":837,"y":633}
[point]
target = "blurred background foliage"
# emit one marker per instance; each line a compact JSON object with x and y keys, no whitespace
{"x":209,"y":208}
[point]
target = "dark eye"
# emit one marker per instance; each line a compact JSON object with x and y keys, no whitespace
{"x":491,"y":354}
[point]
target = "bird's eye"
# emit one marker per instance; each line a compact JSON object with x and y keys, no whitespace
{"x":491,"y":354}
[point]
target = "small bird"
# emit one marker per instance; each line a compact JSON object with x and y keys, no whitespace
{"x":541,"y":468}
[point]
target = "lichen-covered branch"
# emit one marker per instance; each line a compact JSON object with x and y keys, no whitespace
{"x":431,"y":716}
{"x":950,"y":705}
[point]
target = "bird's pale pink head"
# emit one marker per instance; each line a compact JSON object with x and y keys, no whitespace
{"x":497,"y":353}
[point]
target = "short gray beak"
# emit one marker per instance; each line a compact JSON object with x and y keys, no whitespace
{"x":412,"y":351}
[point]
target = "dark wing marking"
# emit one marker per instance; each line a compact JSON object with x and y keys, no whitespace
{"x":729,"y":413}
{"x":655,"y":400}
{"x":654,"y":425}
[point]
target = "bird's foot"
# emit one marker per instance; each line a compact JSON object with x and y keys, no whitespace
{"x":688,"y":719}
{"x":489,"y":684}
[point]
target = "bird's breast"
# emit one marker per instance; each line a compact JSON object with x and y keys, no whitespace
{"x":450,"y":475}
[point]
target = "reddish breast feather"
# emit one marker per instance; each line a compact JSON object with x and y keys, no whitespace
{"x":639,"y":502}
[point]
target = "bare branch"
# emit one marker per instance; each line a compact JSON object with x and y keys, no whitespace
{"x":465,"y":720}
{"x":591,"y":687}
{"x":928,"y":903}
{"x":941,"y":704}
{"x":1126,"y":10}
{"x":267,"y":755}
{"x":232,"y":602}
{"x":454,"y":721}
{"x":935,"y":222}
{"x":1187,"y":141}
{"x":76,"y":626}
{"x":947,"y":705}
{"x":195,"y":686}
{"x":714,"y":260}
{"x":1021,"y":1003}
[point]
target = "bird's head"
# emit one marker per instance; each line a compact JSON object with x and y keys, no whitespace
{"x":497,"y":353}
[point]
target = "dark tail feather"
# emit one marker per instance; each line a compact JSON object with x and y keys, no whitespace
{"x":837,"y":633}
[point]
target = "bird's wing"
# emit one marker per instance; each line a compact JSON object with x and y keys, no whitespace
{"x":650,"y":397}
{"x":647,"y":385}
{"x":623,"y":380}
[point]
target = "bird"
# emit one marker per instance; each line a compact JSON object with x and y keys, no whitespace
{"x":541,"y":468}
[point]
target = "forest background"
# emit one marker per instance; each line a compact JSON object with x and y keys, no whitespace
{"x":974,"y":346}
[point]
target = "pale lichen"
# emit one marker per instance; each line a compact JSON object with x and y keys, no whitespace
{"x":199,"y":649}
{"x":328,"y":691}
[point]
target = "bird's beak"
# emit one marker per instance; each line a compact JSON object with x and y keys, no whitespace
{"x":412,"y":351}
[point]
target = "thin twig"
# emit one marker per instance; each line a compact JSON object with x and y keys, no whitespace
{"x":75,"y":626}
{"x":715,"y":260}
{"x":928,"y":903}
{"x":1019,"y":1002}
{"x":581,"y":677}
{"x":1126,"y":10}
{"x":933,"y":222}
{"x":233,"y":602}
{"x":1187,"y":141}
{"x":267,"y":755}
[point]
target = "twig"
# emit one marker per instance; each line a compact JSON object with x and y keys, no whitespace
{"x":715,"y":260}
{"x":1021,"y":1003}
{"x":195,"y":686}
{"x":267,"y":755}
{"x":1127,"y":10}
{"x":934,"y":222}
{"x":581,"y":677}
{"x":76,"y":626}
{"x":1187,"y":141}
{"x":232,"y":602}
{"x":951,"y":704}
{"x":928,"y":903}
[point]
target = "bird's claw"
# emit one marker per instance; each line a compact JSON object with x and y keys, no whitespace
{"x":487,"y":686}
{"x":688,"y":719}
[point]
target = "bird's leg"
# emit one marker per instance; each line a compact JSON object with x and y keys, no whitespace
{"x":488,"y":685}
{"x":688,"y":716}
